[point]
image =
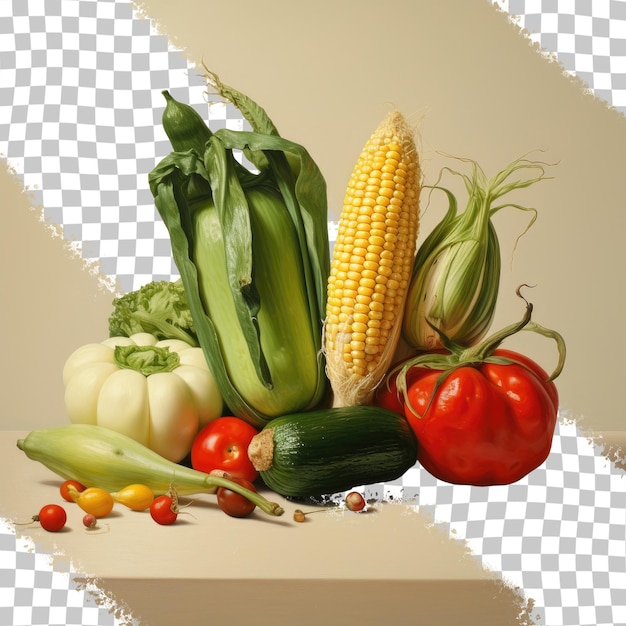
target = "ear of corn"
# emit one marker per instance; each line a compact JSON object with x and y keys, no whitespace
{"x":372,"y":263}
{"x":253,"y":258}
{"x":287,"y":345}
{"x":456,"y":276}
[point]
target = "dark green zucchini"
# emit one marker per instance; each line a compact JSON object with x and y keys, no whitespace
{"x":328,"y":451}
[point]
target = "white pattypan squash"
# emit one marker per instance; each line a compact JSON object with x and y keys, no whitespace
{"x":159,"y":393}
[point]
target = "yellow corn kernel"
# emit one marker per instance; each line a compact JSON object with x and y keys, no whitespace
{"x":374,"y":253}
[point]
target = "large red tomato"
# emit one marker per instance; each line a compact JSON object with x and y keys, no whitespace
{"x":485,"y":425}
{"x":223,"y":445}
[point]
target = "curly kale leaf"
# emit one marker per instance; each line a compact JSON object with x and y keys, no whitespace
{"x":159,"y":308}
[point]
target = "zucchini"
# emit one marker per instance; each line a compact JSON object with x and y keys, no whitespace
{"x":327,"y":451}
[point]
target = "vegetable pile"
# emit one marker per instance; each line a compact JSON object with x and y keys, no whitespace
{"x":272,"y":366}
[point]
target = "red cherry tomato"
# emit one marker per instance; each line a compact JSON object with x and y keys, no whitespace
{"x":90,"y":521}
{"x":52,"y":517}
{"x":355,"y":501}
{"x":64,"y":489}
{"x":234,"y":504}
{"x":164,"y":510}
{"x":223,"y":444}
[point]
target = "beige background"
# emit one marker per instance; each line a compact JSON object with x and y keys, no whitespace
{"x":327,"y":72}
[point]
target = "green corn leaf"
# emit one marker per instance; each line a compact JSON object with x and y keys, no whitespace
{"x":304,"y":198}
{"x":304,"y":195}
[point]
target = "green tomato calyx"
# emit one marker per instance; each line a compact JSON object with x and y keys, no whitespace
{"x":455,"y":356}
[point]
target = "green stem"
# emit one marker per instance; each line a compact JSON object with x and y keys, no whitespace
{"x":271,"y":508}
{"x":458,"y":356}
{"x":560,"y":342}
{"x":480,"y":352}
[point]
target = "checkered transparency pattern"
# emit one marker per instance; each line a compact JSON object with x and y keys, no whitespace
{"x":80,"y":106}
{"x":32,"y":591}
{"x":80,"y":110}
{"x":559,"y":534}
{"x":588,"y":38}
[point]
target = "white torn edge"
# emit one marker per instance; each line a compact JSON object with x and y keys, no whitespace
{"x":534,"y":41}
{"x":569,"y":420}
{"x":64,"y":570}
{"x":74,"y":248}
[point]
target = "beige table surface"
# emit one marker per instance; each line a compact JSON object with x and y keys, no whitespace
{"x":387,"y":565}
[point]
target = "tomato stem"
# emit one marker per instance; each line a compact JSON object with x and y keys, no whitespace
{"x":32,"y":520}
{"x":458,"y":356}
{"x":480,"y":353}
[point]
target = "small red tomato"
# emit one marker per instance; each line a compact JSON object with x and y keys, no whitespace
{"x":355,"y":501}
{"x":90,"y":521}
{"x":223,"y":444}
{"x":65,"y":493}
{"x":233,"y":503}
{"x":52,"y":517}
{"x":164,"y":510}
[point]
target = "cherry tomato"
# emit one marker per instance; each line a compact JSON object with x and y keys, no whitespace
{"x":90,"y":521}
{"x":234,"y":504}
{"x":93,"y":500}
{"x":52,"y":517}
{"x":223,"y":444}
{"x":64,"y":489}
{"x":164,"y":510}
{"x":355,"y":501}
{"x":136,"y":497}
{"x":387,"y":396}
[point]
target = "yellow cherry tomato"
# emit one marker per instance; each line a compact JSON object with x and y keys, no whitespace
{"x":93,"y":500}
{"x":136,"y":497}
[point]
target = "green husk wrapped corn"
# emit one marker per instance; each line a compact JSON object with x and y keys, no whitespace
{"x":456,"y":273}
{"x":252,"y":249}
